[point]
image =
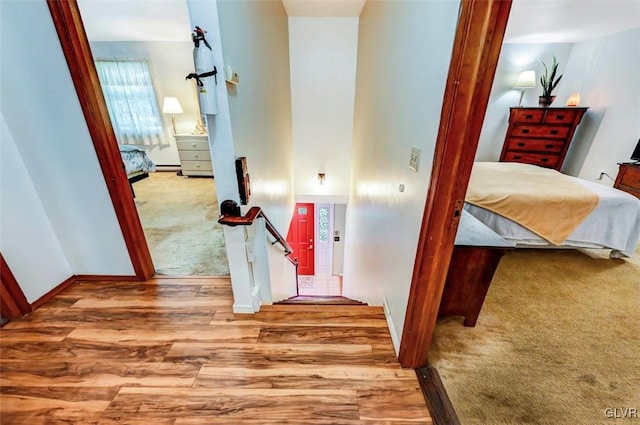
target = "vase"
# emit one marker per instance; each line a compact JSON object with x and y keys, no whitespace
{"x":545,"y":101}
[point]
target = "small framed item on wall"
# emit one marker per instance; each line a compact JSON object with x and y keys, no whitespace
{"x":244,"y":184}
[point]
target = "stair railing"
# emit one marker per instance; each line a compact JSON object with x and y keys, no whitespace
{"x":230,"y":215}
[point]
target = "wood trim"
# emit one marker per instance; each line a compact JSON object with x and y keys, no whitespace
{"x":13,"y":303}
{"x":52,"y":293}
{"x":438,"y":402}
{"x":74,"y":43}
{"x":476,"y":49}
{"x":110,"y":278}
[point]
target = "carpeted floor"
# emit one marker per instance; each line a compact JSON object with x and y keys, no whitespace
{"x":179,"y":217}
{"x":557,"y":342}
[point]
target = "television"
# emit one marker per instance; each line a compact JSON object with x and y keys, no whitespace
{"x":635,"y":156}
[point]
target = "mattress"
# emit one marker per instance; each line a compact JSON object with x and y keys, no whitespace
{"x":614,"y":223}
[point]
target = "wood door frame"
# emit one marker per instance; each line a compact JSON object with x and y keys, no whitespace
{"x":476,"y":49}
{"x":13,"y":302}
{"x":75,"y":46}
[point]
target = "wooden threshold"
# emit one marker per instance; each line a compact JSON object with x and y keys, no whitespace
{"x":440,"y":407}
{"x":319,"y":300}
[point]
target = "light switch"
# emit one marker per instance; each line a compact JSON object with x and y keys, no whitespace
{"x":414,"y":159}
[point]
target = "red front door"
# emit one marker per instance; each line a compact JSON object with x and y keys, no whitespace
{"x":300,"y":237}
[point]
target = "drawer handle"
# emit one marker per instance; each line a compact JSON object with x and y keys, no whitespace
{"x":553,"y":132}
{"x":544,"y":159}
{"x":560,"y":116}
{"x":528,"y":116}
{"x":198,"y":165}
{"x":549,"y":146}
{"x":524,"y":131}
{"x":195,"y":156}
{"x":517,"y":157}
{"x":194,"y":145}
{"x":520,"y":144}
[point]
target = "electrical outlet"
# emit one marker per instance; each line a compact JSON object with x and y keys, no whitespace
{"x":414,"y":159}
{"x":601,"y":174}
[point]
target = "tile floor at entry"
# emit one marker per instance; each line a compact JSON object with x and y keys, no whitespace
{"x":320,"y":285}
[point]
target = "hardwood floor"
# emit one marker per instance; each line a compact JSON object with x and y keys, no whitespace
{"x":171,"y":352}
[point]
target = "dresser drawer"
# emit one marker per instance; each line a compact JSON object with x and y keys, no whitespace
{"x":563,"y":116}
{"x":630,"y":177}
{"x":559,"y":132}
{"x":194,"y":155}
{"x":528,"y":116}
{"x":537,"y":145}
{"x":544,"y":160}
{"x":193,"y":145}
{"x":196,"y":166}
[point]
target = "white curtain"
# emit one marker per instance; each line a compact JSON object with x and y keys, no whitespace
{"x":131,"y":101}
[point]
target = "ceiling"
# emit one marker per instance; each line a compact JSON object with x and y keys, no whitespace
{"x":531,"y":21}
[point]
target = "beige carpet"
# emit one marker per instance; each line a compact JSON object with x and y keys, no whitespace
{"x":557,"y":342}
{"x":179,"y":217}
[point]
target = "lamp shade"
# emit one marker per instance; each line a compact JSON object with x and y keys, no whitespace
{"x":526,"y":79}
{"x":170,"y":105}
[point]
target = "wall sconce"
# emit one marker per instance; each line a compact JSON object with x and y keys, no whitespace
{"x":526,"y":80}
{"x":321,"y":177}
{"x":171,"y":105}
{"x":574,"y":99}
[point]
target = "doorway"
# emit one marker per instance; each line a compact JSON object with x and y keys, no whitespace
{"x":316,"y":234}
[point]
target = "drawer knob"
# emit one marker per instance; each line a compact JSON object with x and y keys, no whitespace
{"x":544,"y":159}
{"x":517,"y":157}
{"x":520,"y":144}
{"x":528,"y":116}
{"x":549,"y":146}
{"x":525,"y":130}
{"x":195,"y":156}
{"x":198,"y":165}
{"x":194,"y":145}
{"x":560,"y":116}
{"x":553,"y":132}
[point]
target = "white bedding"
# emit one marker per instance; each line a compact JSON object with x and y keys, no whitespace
{"x":614,"y":223}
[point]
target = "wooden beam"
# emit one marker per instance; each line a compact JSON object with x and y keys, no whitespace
{"x":476,"y":50}
{"x":74,"y":43}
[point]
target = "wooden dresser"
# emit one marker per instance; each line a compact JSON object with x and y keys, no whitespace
{"x":629,"y":179}
{"x":540,"y":136}
{"x":195,"y":157}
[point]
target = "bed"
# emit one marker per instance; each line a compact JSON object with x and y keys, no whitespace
{"x":137,"y":163}
{"x":613,"y":223}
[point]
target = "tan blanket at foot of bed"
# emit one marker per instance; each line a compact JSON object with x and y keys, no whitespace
{"x":542,"y":200}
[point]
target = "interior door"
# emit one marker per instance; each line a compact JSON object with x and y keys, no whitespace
{"x":301,"y":237}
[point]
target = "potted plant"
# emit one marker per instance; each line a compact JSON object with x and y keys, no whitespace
{"x":549,"y":83}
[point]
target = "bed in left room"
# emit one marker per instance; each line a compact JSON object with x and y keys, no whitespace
{"x":137,"y":163}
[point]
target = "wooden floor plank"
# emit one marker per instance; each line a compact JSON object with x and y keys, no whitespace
{"x":306,"y":376}
{"x":236,"y":404}
{"x":266,"y":355}
{"x":55,"y":373}
{"x":170,"y":351}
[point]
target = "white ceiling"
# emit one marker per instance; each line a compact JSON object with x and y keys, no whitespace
{"x":531,"y":21}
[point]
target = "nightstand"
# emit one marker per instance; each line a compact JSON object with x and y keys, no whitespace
{"x":540,"y":136}
{"x":195,"y":157}
{"x":628,"y":179}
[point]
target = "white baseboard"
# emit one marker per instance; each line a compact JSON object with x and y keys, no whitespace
{"x":243,"y":309}
{"x":392,"y":329}
{"x":161,"y":168}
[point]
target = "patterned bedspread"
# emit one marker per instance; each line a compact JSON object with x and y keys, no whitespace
{"x":135,"y":160}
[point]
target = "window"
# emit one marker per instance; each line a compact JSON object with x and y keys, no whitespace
{"x":131,"y":100}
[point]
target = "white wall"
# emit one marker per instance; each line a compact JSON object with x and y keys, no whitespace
{"x":170,"y":63}
{"x":26,"y":235}
{"x":43,"y":116}
{"x":255,"y":42}
{"x":515,"y":58}
{"x":404,"y":49}
{"x":323,"y":53}
{"x":606,"y":73}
